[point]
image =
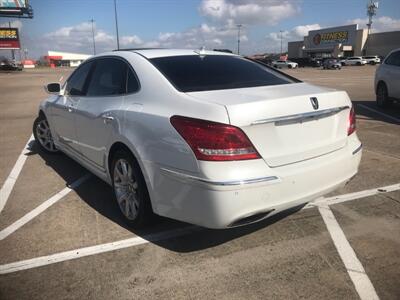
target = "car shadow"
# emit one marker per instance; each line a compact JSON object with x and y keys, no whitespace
{"x":99,"y":196}
{"x":363,"y":112}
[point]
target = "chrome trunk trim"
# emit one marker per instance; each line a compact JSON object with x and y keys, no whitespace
{"x":303,"y":116}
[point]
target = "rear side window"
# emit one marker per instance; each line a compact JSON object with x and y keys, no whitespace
{"x":193,"y":73}
{"x":393,"y":59}
{"x":76,"y":83}
{"x":108,"y":78}
{"x":132,"y":84}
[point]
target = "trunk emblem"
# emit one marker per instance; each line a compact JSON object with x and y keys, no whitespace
{"x":314,"y":102}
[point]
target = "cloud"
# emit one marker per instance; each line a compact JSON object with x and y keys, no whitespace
{"x":203,"y":35}
{"x":249,"y":12}
{"x":78,"y":38}
{"x":379,"y":24}
{"x":296,"y":33}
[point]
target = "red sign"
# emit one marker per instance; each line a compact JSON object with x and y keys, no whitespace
{"x":9,"y":38}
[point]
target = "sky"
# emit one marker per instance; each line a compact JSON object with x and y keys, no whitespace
{"x":63,"y":25}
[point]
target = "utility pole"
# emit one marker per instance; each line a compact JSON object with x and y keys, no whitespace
{"x":94,"y":42}
{"x":372,"y":7}
{"x":116,"y":22}
{"x":238,"y":41}
{"x":281,"y":40}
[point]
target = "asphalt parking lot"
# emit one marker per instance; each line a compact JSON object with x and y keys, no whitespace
{"x":62,"y":237}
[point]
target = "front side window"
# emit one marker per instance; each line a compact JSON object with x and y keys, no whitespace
{"x":76,"y":83}
{"x":191,"y":73}
{"x":108,"y":78}
{"x":393,"y":59}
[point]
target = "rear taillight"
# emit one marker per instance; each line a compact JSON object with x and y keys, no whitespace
{"x":352,"y":122}
{"x":214,"y":141}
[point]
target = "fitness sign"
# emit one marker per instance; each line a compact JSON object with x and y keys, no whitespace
{"x":9,"y":38}
{"x":331,"y":37}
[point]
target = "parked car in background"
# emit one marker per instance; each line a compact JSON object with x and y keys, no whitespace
{"x":331,"y":63}
{"x":387,"y":79}
{"x":204,"y":137}
{"x":354,"y":61}
{"x":372,"y":60}
{"x":307,"y":62}
{"x":284,"y":64}
{"x":9,"y":65}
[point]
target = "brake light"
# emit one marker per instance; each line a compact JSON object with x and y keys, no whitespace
{"x":352,"y":121}
{"x":213,"y":141}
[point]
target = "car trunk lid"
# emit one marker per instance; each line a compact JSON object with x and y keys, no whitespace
{"x":281,"y":121}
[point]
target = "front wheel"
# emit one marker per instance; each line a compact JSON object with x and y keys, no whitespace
{"x":382,"y":97}
{"x":42,"y":134}
{"x":130,"y":190}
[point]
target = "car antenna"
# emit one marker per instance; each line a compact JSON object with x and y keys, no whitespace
{"x":201,"y":52}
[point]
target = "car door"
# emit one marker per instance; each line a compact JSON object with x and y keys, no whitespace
{"x":392,"y":76}
{"x":63,"y":109}
{"x":98,"y":115}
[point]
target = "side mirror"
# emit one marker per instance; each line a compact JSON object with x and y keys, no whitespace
{"x":53,"y":88}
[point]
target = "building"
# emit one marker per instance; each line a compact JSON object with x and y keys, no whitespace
{"x":344,"y":41}
{"x":64,"y":59}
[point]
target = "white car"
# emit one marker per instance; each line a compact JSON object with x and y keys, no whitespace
{"x":354,"y":61}
{"x":372,"y":60}
{"x":204,"y":137}
{"x":284,"y":64}
{"x":387,"y":79}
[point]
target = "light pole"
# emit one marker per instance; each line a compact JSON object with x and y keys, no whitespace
{"x":116,"y":22}
{"x":281,"y":40}
{"x":94,"y":42}
{"x":372,"y":7}
{"x":238,"y":41}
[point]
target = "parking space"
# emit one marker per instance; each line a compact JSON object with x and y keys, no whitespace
{"x":76,"y":245}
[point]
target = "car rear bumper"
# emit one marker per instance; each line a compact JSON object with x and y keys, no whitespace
{"x":216,"y":203}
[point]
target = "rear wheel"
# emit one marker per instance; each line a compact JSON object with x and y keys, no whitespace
{"x":42,"y":134}
{"x":130,"y":189}
{"x":382,"y":97}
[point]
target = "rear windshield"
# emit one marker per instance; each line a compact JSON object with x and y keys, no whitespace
{"x":192,"y":73}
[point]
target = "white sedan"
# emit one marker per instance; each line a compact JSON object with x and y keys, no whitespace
{"x":284,"y":64}
{"x":204,"y":137}
{"x":354,"y":61}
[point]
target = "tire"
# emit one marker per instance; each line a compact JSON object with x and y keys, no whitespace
{"x":275,"y":66}
{"x":130,"y":190}
{"x":358,"y":64}
{"x":382,"y":97}
{"x":41,"y":132}
{"x":373,"y":63}
{"x":289,"y":66}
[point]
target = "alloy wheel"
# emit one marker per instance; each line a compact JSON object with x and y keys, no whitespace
{"x":126,"y":189}
{"x":44,"y":136}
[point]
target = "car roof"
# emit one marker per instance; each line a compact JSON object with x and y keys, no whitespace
{"x":158,"y":52}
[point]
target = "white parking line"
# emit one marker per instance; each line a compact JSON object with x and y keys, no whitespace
{"x":380,"y":113}
{"x":357,"y":195}
{"x":356,"y":271}
{"x":41,"y":208}
{"x":8,"y":185}
{"x":87,"y":251}
{"x":97,"y":249}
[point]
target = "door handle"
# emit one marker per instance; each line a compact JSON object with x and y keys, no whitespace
{"x":107,"y":118}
